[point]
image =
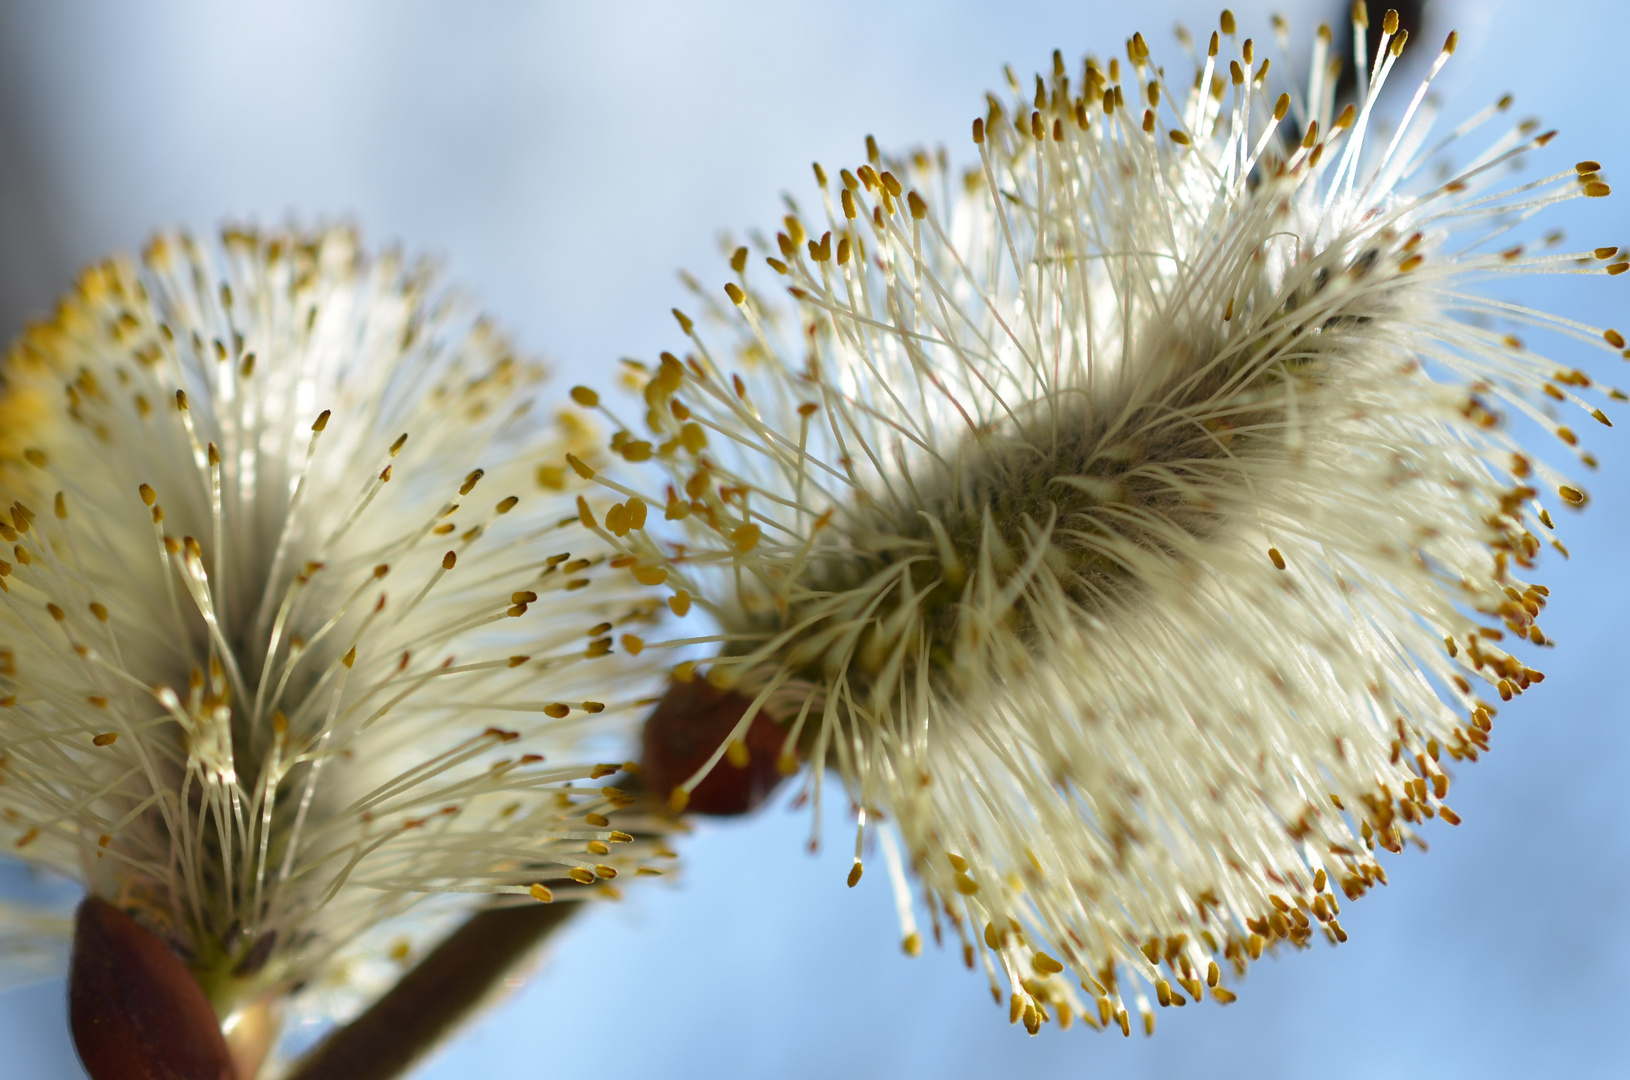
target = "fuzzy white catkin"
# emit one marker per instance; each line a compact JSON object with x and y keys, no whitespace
{"x":1132,"y":522}
{"x":298,"y":626}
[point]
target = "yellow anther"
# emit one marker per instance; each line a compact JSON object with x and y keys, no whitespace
{"x":745,"y":538}
{"x":650,"y":575}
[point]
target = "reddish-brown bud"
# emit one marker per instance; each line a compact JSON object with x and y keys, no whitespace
{"x":135,"y":1010}
{"x":684,"y":730}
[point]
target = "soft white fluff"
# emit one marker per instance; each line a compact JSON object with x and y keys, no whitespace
{"x":299,"y":626}
{"x":1131,"y":522}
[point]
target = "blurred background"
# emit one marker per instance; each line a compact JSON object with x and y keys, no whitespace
{"x":563,"y":160}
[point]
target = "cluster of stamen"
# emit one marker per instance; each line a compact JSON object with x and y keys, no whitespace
{"x":1137,"y":534}
{"x":220,"y":708}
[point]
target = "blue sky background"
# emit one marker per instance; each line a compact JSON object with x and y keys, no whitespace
{"x":564,"y":160}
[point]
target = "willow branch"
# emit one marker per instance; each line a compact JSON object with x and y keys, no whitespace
{"x":434,"y":998}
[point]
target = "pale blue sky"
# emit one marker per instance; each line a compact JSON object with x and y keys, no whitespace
{"x":565,"y":160}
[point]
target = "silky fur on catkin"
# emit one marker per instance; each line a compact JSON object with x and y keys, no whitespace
{"x":298,"y":625}
{"x":1132,"y":521}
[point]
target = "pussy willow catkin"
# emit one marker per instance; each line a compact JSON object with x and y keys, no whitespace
{"x":1133,"y":521}
{"x":298,"y":626}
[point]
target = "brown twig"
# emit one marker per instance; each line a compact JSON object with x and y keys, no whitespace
{"x":433,"y":999}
